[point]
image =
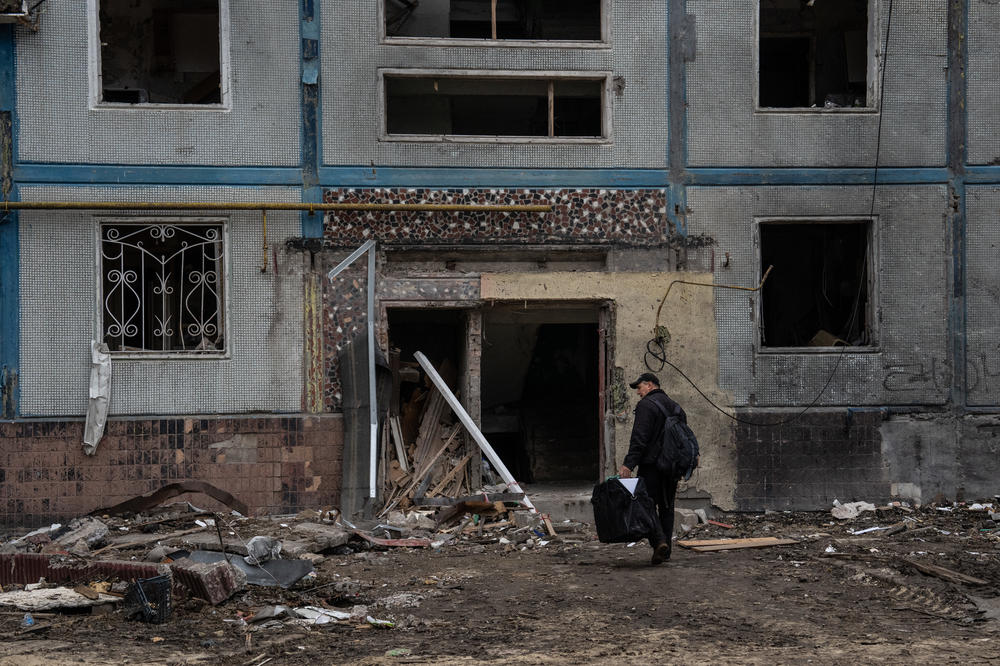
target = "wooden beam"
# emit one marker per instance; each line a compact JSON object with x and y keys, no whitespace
{"x":709,"y":545}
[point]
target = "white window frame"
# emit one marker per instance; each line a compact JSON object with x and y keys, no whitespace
{"x":872,"y":307}
{"x":603,"y":43}
{"x":607,"y":110}
{"x":147,"y":220}
{"x":96,"y":73}
{"x":875,"y":61}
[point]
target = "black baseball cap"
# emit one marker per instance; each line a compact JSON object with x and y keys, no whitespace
{"x":645,"y":377}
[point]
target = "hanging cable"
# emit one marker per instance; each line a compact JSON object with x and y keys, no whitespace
{"x":655,"y":349}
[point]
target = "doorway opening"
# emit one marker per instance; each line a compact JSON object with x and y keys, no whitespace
{"x":541,"y":391}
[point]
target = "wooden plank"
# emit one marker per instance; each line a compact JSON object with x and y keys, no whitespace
{"x":450,"y":501}
{"x":709,"y":545}
{"x":450,"y":476}
{"x":397,"y":437}
{"x":419,"y":476}
{"x":943,"y":573}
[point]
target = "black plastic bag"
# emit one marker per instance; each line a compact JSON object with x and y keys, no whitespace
{"x":621,"y":516}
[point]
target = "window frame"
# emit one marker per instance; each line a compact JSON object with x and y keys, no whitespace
{"x":874,"y":68}
{"x":95,"y":67}
{"x":149,"y":220}
{"x":607,"y":110}
{"x":872,"y":307}
{"x":603,"y":43}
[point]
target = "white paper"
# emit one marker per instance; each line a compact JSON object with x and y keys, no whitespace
{"x":630,"y":484}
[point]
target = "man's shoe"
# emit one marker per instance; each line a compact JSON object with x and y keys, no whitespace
{"x":660,"y":554}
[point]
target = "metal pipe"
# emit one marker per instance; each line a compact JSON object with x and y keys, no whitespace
{"x":264,"y":205}
{"x":372,"y":407}
{"x":470,"y":426}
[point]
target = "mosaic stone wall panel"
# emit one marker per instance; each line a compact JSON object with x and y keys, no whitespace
{"x":627,"y":217}
{"x":345,"y":318}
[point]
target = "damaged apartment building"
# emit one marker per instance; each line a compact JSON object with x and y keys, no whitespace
{"x":784,"y":208}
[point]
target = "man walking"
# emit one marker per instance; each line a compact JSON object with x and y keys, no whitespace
{"x":643,"y":448}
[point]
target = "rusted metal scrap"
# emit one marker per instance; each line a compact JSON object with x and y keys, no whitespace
{"x":157,"y":497}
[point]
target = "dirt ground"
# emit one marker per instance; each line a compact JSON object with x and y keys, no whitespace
{"x":832,"y":598}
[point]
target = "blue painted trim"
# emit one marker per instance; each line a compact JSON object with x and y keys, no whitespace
{"x":982,"y":175}
{"x":96,"y":174}
{"x":10,"y":334}
{"x":312,"y":225}
{"x":374,"y":176}
{"x":816,"y":176}
{"x":368,"y":176}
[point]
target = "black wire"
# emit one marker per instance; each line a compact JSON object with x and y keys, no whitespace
{"x":660,"y":354}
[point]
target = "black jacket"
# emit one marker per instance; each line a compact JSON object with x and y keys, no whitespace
{"x":647,"y":428}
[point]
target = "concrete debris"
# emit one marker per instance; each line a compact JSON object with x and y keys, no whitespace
{"x":90,"y":530}
{"x":51,"y":598}
{"x":685,"y":520}
{"x":323,"y":537}
{"x":260,"y":549}
{"x":214,"y":582}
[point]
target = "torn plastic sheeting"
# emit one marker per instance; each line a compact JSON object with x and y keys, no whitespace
{"x":100,"y":394}
{"x":157,"y":497}
{"x":280,"y":573}
{"x":850,"y":510}
{"x":321,"y":615}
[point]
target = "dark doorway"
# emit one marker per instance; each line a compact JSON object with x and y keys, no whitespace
{"x":540,"y":392}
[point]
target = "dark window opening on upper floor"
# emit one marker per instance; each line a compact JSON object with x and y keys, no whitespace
{"x":818,"y":294}
{"x":814,"y":53}
{"x":468,"y":106}
{"x":554,"y":20}
{"x":160,"y":52}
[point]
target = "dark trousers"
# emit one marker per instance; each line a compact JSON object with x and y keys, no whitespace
{"x":662,"y":489}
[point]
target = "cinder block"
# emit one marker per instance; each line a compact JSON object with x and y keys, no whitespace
{"x":213,"y":582}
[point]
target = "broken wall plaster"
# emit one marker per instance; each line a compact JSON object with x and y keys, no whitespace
{"x":693,"y":348}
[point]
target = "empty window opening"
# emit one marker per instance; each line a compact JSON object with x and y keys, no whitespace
{"x":814,"y":54}
{"x":552,"y":20}
{"x":160,"y":52}
{"x":818,"y":294}
{"x":540,"y":392}
{"x":162,"y":287}
{"x":468,"y":106}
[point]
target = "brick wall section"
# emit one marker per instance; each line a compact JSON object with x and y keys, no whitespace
{"x":812,"y":460}
{"x":273,"y":464}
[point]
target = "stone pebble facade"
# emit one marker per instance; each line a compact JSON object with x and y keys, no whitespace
{"x":580,"y":216}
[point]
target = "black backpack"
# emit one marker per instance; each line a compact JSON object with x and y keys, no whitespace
{"x":678,"y":455}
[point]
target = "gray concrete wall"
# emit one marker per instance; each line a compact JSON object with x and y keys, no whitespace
{"x":261,"y":126}
{"x":910,"y":363}
{"x":949,"y":456}
{"x":352,"y":56}
{"x":725,"y":130}
{"x":59,"y":312}
{"x":983,"y":304}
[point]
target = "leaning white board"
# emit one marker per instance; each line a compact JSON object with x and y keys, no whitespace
{"x":466,"y":420}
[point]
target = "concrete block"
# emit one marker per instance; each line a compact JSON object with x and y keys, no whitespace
{"x":213,"y":582}
{"x":685,"y":520}
{"x":91,"y":530}
{"x":324,"y":536}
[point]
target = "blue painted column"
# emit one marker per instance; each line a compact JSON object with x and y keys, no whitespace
{"x":312,"y":224}
{"x":9,"y":244}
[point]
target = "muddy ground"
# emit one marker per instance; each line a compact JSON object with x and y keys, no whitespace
{"x":833,"y":598}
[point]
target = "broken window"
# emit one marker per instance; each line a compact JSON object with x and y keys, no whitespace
{"x":819,"y":292}
{"x":162,"y":286}
{"x":507,"y":107}
{"x":815,"y":53}
{"x":549,"y":20}
{"x":160,"y":52}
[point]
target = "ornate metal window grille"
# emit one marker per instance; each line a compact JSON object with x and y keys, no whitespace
{"x":163,"y":287}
